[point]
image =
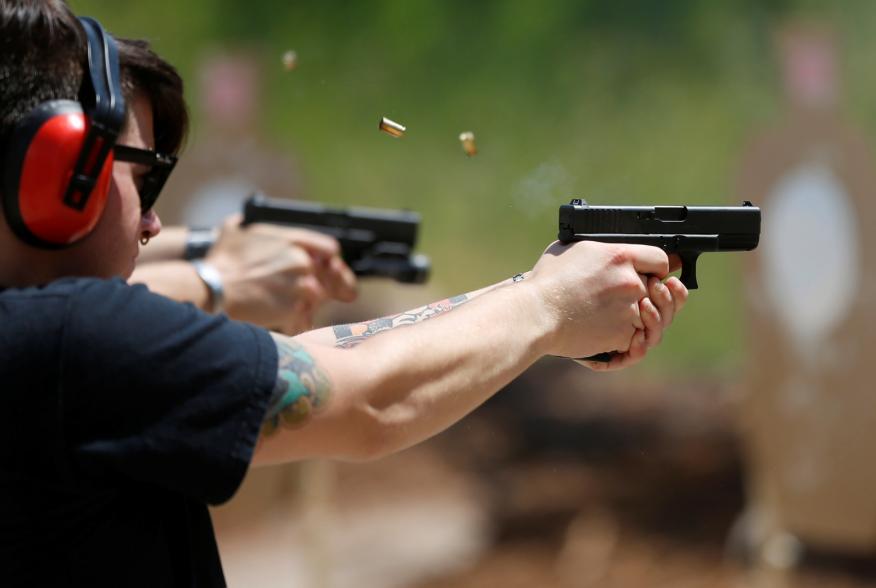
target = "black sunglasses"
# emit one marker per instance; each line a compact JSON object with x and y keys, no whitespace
{"x":160,"y":166}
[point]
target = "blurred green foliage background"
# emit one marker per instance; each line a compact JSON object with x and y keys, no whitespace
{"x":617,"y":101}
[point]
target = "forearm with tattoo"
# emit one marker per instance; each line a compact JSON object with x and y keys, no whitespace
{"x":302,"y":389}
{"x":350,"y":335}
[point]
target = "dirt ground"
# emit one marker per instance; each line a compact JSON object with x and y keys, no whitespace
{"x":562,"y":481}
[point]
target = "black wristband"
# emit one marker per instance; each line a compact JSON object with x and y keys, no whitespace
{"x":198,"y":243}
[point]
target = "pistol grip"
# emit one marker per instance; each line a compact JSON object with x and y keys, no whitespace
{"x":689,"y":269}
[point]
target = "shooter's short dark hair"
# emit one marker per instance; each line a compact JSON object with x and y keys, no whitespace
{"x":144,"y":72}
{"x":43,"y":56}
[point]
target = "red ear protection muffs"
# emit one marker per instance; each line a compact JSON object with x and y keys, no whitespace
{"x":58,"y":160}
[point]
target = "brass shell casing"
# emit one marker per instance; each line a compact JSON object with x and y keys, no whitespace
{"x":468,"y":143}
{"x":391,"y":128}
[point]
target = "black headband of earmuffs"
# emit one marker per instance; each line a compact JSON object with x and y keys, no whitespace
{"x":105,"y":107}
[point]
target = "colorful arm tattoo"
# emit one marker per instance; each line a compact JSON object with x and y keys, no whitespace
{"x":351,"y":335}
{"x":301,"y":390}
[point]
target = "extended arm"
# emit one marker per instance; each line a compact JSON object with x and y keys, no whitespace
{"x":394,"y":390}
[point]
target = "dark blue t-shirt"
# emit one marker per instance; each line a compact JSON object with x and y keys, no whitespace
{"x":123,"y":415}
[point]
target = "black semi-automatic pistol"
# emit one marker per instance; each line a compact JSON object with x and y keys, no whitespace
{"x":684,"y":230}
{"x":373,"y":242}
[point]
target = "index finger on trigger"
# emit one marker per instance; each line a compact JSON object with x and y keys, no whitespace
{"x":337,"y":279}
{"x":649,"y":260}
{"x":314,"y":242}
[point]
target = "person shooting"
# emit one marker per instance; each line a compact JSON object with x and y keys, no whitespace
{"x":127,"y":413}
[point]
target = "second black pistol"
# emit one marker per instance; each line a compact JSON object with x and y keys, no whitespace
{"x":373,"y":242}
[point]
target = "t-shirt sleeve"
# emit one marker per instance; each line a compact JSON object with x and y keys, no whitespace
{"x":158,"y":392}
